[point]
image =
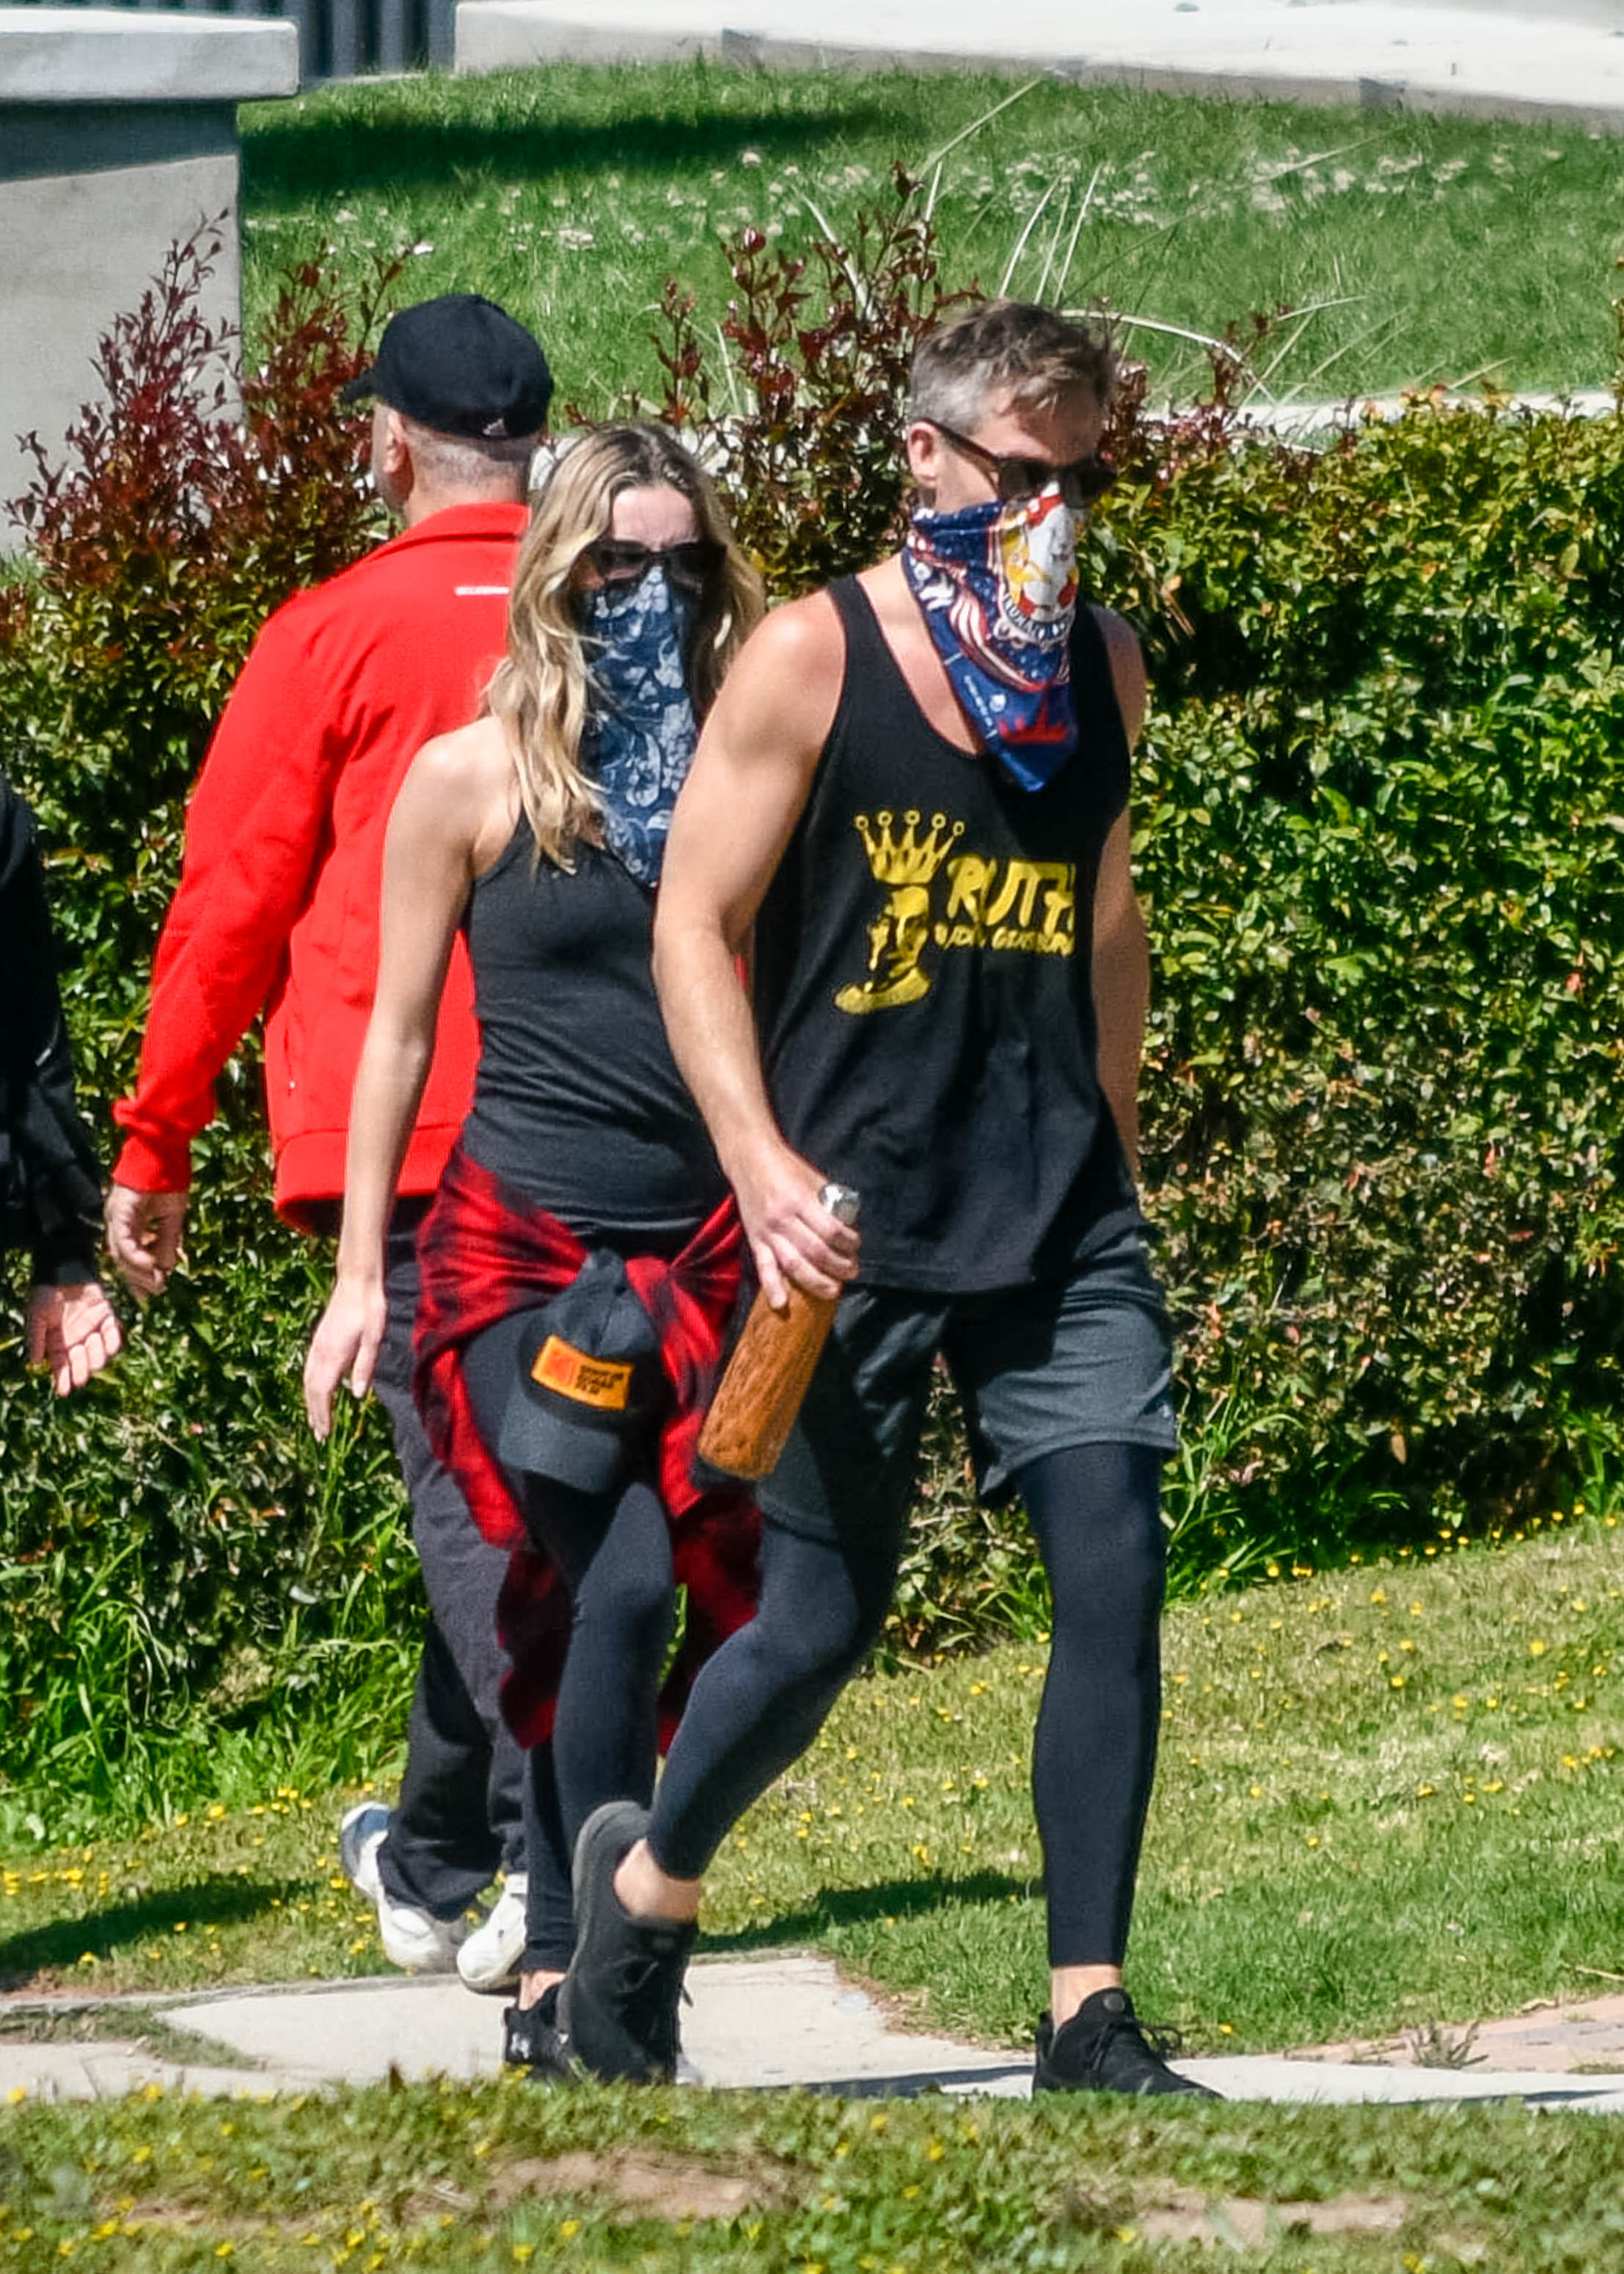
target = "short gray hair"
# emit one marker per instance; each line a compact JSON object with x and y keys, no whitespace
{"x":1009,"y":351}
{"x":495,"y":467}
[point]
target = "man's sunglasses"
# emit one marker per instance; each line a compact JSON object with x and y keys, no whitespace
{"x":620,"y":560}
{"x":1017,"y":478}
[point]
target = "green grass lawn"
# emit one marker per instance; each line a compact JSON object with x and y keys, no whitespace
{"x":508,"y":2176}
{"x":1391,"y":1798}
{"x":1429,"y":249}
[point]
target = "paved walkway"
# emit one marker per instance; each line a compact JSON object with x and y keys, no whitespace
{"x":1525,"y":60}
{"x":764,"y":2022}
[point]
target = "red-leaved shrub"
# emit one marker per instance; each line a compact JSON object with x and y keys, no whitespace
{"x":807,"y":443}
{"x":184,"y":507}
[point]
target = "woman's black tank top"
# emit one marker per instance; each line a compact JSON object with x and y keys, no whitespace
{"x":924,"y":985}
{"x":577,"y":1100}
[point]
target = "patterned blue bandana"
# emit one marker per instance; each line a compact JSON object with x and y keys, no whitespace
{"x":997,"y":587}
{"x":641,"y":732}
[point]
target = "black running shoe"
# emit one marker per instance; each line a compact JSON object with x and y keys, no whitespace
{"x":533,"y":2041}
{"x":1105,"y":2048}
{"x":619,"y":1998}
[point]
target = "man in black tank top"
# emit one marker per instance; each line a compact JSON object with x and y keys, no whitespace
{"x":913,"y":791}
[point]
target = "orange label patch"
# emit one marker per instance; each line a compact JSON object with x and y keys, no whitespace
{"x":603,"y":1382}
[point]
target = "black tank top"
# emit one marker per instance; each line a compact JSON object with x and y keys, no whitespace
{"x":577,"y":1100}
{"x":924,"y":983}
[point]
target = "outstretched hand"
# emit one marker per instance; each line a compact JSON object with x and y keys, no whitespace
{"x":143,"y":1235}
{"x":346,"y":1342}
{"x":73,"y":1330}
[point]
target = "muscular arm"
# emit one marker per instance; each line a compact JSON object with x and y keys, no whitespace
{"x":1121,"y":947}
{"x":433,"y":846}
{"x":738,"y":810}
{"x":1121,"y":988}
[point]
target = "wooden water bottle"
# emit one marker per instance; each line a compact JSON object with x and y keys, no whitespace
{"x":760,"y":1394}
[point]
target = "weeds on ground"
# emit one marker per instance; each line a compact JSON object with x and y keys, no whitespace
{"x":1431,"y":2046}
{"x":505,"y":2176}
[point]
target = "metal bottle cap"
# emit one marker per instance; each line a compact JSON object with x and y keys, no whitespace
{"x":841,"y":1202}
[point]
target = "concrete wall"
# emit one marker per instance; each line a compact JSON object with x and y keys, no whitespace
{"x":83,"y":233}
{"x":117,"y":137}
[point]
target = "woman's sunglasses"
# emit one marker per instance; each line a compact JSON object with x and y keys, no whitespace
{"x":620,"y":560}
{"x":1017,"y":478}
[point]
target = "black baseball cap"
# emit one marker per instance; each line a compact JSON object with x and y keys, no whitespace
{"x":461,"y":366}
{"x":586,"y":1383}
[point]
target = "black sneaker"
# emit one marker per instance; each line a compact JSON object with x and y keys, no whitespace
{"x":619,"y":2003}
{"x":1105,"y":2048}
{"x":533,"y":2041}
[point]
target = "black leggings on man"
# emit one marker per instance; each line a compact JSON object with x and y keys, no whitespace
{"x":759,"y":1703}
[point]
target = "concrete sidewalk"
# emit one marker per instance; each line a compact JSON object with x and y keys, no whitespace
{"x":761,"y":2023}
{"x":1504,"y":58}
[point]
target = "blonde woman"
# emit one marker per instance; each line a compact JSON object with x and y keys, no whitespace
{"x":582,"y":1258}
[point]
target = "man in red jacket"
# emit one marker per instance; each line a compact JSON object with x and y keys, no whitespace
{"x":277,"y":910}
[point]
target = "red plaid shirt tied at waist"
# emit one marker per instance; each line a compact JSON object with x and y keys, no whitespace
{"x":484,"y":1252}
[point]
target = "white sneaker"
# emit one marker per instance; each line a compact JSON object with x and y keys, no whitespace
{"x":489,"y":1960}
{"x":411,"y":1939}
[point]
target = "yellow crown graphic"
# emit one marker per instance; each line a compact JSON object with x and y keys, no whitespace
{"x":909,"y":859}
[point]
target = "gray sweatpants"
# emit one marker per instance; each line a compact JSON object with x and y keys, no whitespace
{"x":460,"y":1815}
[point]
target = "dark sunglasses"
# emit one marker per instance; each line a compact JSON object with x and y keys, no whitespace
{"x":620,"y":560}
{"x":1017,"y":478}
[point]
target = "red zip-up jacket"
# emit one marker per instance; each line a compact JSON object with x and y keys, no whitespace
{"x":278,"y":902}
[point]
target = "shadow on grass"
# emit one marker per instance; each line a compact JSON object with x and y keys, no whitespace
{"x":351,"y":155}
{"x":61,"y":1944}
{"x":893,"y":1898}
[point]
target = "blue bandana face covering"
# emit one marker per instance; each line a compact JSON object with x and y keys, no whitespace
{"x":640,"y":737}
{"x":997,"y":587}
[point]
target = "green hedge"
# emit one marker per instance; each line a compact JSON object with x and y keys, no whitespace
{"x":1380,"y":829}
{"x":1379,"y":815}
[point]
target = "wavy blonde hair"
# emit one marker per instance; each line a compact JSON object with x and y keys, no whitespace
{"x":541,"y":692}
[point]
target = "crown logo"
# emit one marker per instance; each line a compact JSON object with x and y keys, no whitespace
{"x":909,"y":859}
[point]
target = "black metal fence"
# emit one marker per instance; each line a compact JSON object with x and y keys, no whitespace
{"x":338,"y":38}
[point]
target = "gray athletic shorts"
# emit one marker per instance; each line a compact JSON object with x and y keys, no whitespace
{"x":1082,"y":1359}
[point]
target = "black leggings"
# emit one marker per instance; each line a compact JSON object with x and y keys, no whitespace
{"x":613,"y":1553}
{"x":615,"y":1556}
{"x":762,"y":1700}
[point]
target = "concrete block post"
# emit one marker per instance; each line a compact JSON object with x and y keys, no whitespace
{"x":118,"y":136}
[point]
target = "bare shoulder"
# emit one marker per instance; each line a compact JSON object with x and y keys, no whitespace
{"x":808,"y":629}
{"x":459,"y":783}
{"x":1127,"y":661}
{"x":472,"y":763}
{"x":791,"y":666}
